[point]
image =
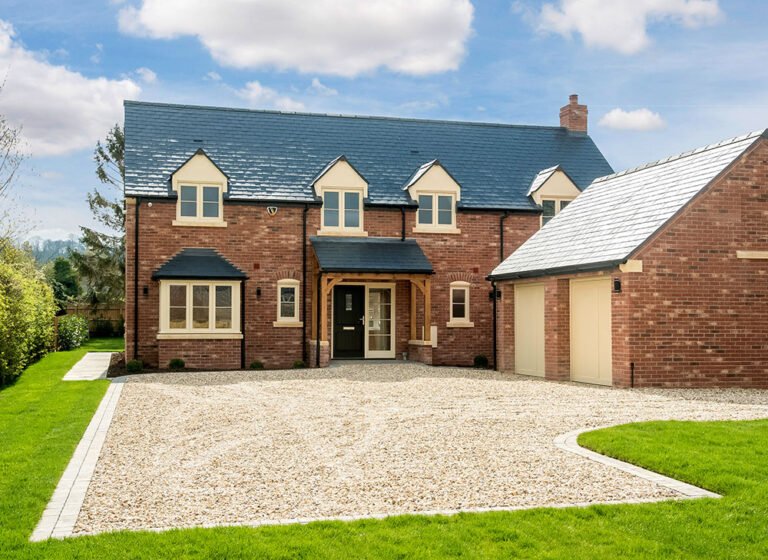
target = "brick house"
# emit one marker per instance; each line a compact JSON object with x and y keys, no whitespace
{"x":279,"y":237}
{"x":655,"y":276}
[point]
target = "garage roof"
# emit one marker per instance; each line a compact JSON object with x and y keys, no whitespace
{"x":617,"y":213}
{"x":370,"y":254}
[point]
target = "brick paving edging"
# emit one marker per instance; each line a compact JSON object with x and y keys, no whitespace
{"x":569,"y":442}
{"x":61,"y":513}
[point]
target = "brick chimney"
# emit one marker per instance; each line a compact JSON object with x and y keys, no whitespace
{"x":574,"y":116}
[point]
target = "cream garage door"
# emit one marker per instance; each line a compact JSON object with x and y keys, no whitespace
{"x":591,"y":330}
{"x":529,"y":329}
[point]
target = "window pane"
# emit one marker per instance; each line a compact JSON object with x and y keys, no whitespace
{"x":210,"y":202}
{"x":223,"y":296}
{"x":287,"y":302}
{"x":200,"y":307}
{"x":563,"y":204}
{"x":548,"y":207}
{"x":459,"y":308}
{"x":178,"y":296}
{"x":188,"y":201}
{"x":331,"y":209}
{"x":445,"y":210}
{"x":425,"y":209}
{"x":177,"y":318}
{"x":352,"y":210}
{"x":223,"y":307}
{"x":223,"y":317}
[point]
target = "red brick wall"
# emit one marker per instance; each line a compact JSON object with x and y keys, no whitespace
{"x":221,"y":354}
{"x":269,"y":248}
{"x":699,"y":315}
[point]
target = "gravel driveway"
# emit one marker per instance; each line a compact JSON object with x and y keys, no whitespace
{"x":188,"y":449}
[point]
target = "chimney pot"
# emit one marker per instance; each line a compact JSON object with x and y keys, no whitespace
{"x":574,"y":116}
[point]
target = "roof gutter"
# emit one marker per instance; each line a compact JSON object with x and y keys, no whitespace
{"x":572,"y":269}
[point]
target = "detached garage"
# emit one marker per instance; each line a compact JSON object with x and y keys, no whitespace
{"x":654,"y":276}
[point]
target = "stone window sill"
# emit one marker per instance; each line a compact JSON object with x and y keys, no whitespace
{"x":288,"y":324}
{"x":199,"y":336}
{"x":198,"y":223}
{"x":459,"y":324}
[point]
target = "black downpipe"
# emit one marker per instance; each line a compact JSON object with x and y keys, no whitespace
{"x":495,"y":352}
{"x":136,"y":282}
{"x":319,"y":318}
{"x":632,"y":374}
{"x":242,"y":324}
{"x":402,"y":216}
{"x":304,"y":349}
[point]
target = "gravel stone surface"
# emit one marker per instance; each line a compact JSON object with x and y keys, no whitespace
{"x":192,"y":449}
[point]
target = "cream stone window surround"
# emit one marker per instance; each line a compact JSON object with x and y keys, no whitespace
{"x":342,"y":178}
{"x":432,"y":180}
{"x":288,"y":320}
{"x":199,"y":172}
{"x":188,"y":331}
{"x":459,"y":287}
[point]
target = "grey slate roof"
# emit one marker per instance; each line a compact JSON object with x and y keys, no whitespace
{"x":617,"y":213}
{"x":270,"y":155}
{"x":191,"y":264}
{"x":370,"y":254}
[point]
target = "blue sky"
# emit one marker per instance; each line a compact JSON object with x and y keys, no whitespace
{"x":659,"y":76}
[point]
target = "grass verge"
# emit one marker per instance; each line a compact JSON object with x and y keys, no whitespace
{"x":43,"y":418}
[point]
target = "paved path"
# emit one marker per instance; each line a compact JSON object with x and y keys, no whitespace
{"x":92,"y":366}
{"x":61,"y":513}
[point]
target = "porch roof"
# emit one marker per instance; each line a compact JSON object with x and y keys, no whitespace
{"x":191,"y":264}
{"x":370,"y":254}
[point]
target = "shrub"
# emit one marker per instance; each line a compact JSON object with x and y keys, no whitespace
{"x":103,"y":328}
{"x":134,"y":366}
{"x":176,"y":363}
{"x":257,"y":365}
{"x":26,"y":312}
{"x":481,"y":361}
{"x":73,"y":331}
{"x":298,"y":364}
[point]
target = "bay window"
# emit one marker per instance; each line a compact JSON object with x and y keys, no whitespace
{"x":196,"y":307}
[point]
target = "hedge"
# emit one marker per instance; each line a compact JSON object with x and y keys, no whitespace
{"x":26,"y":312}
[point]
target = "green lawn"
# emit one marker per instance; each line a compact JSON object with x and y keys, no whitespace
{"x":42,"y":419}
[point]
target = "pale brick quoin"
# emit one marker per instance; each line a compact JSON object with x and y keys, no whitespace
{"x":692,"y":313}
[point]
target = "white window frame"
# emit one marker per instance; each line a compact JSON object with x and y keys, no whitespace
{"x":166,"y":332}
{"x":198,"y":219}
{"x":342,"y":229}
{"x":558,"y":206}
{"x":295,"y":320}
{"x":459,"y":321}
{"x":436,"y":227}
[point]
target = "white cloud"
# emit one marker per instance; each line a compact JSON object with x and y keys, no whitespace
{"x":319,"y":88}
{"x":339,"y":37}
{"x":212,"y":76}
{"x":639,"y":119}
{"x":147,"y":76}
{"x":96,"y":57}
{"x":59,"y":110}
{"x":622,"y":25}
{"x":262,"y":97}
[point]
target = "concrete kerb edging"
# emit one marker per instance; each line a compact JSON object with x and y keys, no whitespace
{"x":569,"y":442}
{"x":61,"y":513}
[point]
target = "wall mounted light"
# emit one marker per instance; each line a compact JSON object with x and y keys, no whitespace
{"x":258,"y":293}
{"x":145,"y":290}
{"x":617,"y":285}
{"x":271,"y":210}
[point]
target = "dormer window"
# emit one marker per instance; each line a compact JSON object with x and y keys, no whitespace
{"x":200,"y":186}
{"x":437,"y":193}
{"x":551,"y":208}
{"x":200,"y":202}
{"x":437,"y":210}
{"x":342,"y":211}
{"x":342,"y":189}
{"x":552,"y":189}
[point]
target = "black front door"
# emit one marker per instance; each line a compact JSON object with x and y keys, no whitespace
{"x":348,"y":321}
